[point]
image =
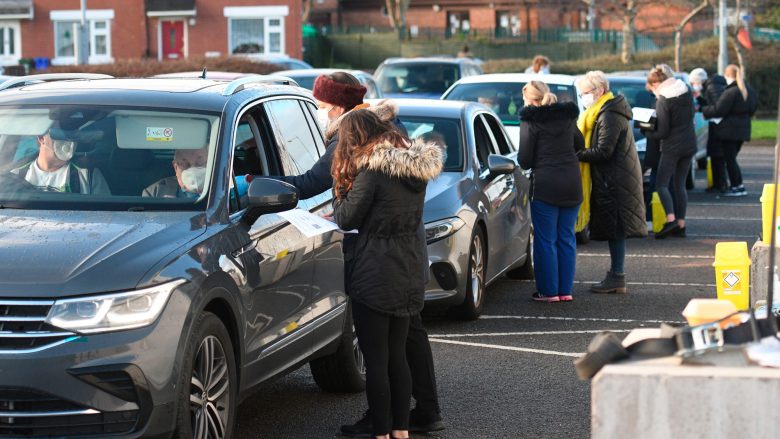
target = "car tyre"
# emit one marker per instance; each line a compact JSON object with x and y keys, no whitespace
{"x":343,"y":371}
{"x":208,"y":387}
{"x":525,"y":271}
{"x":471,"y":308}
{"x":583,"y":236}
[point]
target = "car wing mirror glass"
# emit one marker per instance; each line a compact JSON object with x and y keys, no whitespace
{"x":266,"y":195}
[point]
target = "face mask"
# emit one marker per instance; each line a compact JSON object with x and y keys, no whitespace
{"x":63,"y":149}
{"x":697,"y":87}
{"x":729,"y":81}
{"x":193,"y":179}
{"x":588,"y":100}
{"x":323,"y":118}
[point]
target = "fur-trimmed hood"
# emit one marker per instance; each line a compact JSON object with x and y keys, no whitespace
{"x":416,"y":165}
{"x":672,"y":88}
{"x":386,"y":109}
{"x":557,"y":111}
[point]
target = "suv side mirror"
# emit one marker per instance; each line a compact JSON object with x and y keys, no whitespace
{"x":266,"y":195}
{"x":499,"y":164}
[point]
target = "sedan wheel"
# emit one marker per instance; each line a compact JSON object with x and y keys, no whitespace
{"x":209,"y":395}
{"x":475,"y":285}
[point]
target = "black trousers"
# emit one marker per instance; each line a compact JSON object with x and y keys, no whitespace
{"x":673,"y":169}
{"x":731,"y":149}
{"x":382,"y":339}
{"x":717,"y":160}
{"x":420,"y":359}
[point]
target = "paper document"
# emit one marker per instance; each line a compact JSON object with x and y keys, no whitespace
{"x":310,"y":224}
{"x":643,"y":114}
{"x":715,"y":120}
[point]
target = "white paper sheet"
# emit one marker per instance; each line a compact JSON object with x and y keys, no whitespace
{"x":715,"y":120}
{"x":310,"y":224}
{"x":643,"y":114}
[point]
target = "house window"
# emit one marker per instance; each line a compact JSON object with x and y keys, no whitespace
{"x":66,"y":36}
{"x":256,"y":29}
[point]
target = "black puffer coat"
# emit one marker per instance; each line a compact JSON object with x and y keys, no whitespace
{"x":711,"y":91}
{"x":549,"y":140}
{"x":735,"y":111}
{"x":674,"y":129}
{"x":385,"y":205}
{"x":616,"y":193}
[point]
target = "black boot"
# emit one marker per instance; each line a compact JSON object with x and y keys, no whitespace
{"x":361,"y":428}
{"x":669,"y":228}
{"x":614,"y":283}
{"x":424,"y":421}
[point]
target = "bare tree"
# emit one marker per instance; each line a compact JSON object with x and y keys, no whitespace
{"x":678,"y":30}
{"x":625,"y":11}
{"x":306,"y":10}
{"x":396,"y":13}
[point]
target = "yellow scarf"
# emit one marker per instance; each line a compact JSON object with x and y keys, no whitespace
{"x":586,"y":123}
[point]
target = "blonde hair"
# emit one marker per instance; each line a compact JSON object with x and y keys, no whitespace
{"x":539,"y":91}
{"x":659,"y":73}
{"x":593,"y":79}
{"x":736,"y":72}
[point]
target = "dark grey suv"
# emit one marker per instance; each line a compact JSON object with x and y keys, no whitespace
{"x":145,"y":286}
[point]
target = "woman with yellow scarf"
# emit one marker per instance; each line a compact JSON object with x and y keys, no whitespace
{"x":614,"y":189}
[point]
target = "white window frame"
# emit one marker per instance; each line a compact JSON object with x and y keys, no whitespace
{"x":12,"y":58}
{"x":265,"y":13}
{"x":92,"y":16}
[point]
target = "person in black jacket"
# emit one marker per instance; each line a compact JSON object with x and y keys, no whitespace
{"x":677,"y":136}
{"x":617,"y":209}
{"x":379,"y":187}
{"x":736,"y":106}
{"x":550,"y":140}
{"x":707,"y":91}
{"x":335,"y":102}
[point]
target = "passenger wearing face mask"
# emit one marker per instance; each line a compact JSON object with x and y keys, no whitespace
{"x":707,"y":90}
{"x":617,"y":209}
{"x":190,"y":168}
{"x":53,"y":171}
{"x":736,"y":106}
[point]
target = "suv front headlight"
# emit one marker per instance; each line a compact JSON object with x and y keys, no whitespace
{"x":111,"y":312}
{"x":441,"y":229}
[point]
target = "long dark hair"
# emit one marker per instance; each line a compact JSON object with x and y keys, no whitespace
{"x":359,"y":131}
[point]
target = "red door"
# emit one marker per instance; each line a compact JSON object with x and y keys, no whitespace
{"x":172,"y":35}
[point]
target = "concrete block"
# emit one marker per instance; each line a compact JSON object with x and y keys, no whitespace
{"x":662,"y":399}
{"x":759,"y":279}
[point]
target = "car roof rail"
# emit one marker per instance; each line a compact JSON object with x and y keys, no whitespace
{"x":47,"y":77}
{"x":239,"y":84}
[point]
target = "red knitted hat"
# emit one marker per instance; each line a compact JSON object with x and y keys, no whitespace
{"x":336,"y":93}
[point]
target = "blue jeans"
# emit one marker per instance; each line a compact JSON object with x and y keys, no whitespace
{"x":617,"y":250}
{"x":555,"y":247}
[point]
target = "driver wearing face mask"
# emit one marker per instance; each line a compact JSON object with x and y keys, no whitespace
{"x":190,"y":179}
{"x":53,"y":171}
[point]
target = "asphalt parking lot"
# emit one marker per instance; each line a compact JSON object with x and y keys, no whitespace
{"x":510,"y":373}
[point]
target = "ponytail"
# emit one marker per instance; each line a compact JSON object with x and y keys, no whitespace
{"x":549,"y":98}
{"x":538,"y":91}
{"x":740,"y":79}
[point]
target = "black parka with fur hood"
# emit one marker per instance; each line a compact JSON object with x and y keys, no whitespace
{"x":385,"y":205}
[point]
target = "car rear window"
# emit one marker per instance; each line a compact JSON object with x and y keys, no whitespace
{"x":442,"y":132}
{"x":417,"y":78}
{"x":504,"y":98}
{"x":635,"y":93}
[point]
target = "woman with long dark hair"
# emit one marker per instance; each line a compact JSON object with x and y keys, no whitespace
{"x":379,"y":181}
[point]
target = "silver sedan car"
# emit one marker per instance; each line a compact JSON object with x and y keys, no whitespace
{"x":477,"y":212}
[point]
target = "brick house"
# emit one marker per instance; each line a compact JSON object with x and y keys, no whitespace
{"x":163,"y":29}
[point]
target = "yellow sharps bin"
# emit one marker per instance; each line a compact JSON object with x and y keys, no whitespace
{"x":732,"y":273}
{"x":766,"y":212}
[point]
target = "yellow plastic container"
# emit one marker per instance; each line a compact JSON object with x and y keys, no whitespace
{"x":732,"y":273}
{"x":709,"y":173}
{"x":700,"y":311}
{"x":767,"y":203}
{"x":659,"y":214}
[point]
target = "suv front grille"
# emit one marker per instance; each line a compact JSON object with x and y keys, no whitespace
{"x":30,"y":413}
{"x":23,"y":327}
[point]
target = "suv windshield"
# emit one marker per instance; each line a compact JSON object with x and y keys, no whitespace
{"x":417,"y":78}
{"x":105,"y":158}
{"x":504,"y":98}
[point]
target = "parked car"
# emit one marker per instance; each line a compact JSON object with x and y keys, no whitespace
{"x":477,"y":212}
{"x":283,"y":61}
{"x":125,"y":315}
{"x":425,"y":78}
{"x":305,"y":78}
{"x":504,"y":93}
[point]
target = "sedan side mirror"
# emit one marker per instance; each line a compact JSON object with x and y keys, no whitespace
{"x":266,"y":195}
{"x":499,"y":164}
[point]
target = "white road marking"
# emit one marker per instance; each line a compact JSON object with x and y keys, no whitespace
{"x":507,"y":348}
{"x":653,"y":284}
{"x":506,"y":334}
{"x":577,"y":319}
{"x":726,"y":204}
{"x":715,"y":235}
{"x":720,"y":218}
{"x":606,"y":255}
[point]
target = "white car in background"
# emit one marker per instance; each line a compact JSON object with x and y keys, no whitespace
{"x":503,"y":92}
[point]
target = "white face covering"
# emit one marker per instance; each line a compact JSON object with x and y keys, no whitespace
{"x":588,"y":100}
{"x":697,"y":88}
{"x":194,"y":179}
{"x":323,"y":118}
{"x":63,"y":149}
{"x":730,"y":81}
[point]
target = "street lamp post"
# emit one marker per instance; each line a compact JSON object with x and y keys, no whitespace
{"x":83,"y":40}
{"x":723,"y":54}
